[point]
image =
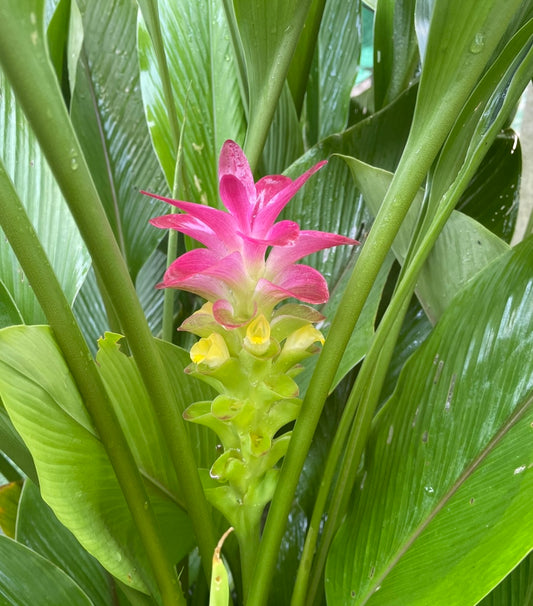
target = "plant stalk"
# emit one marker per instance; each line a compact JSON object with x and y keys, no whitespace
{"x":47,"y":289}
{"x":25,"y":62}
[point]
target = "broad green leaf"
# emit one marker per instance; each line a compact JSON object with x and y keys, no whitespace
{"x":309,"y":483}
{"x":75,"y":475}
{"x":422,"y":20}
{"x":132,"y":406}
{"x":395,"y":49}
{"x":188,"y":390}
{"x":446,"y":479}
{"x":363,"y":332}
{"x":40,"y":530}
{"x":206,"y":92}
{"x":9,"y":500}
{"x":28,"y":578}
{"x":334,"y":70}
{"x":330,"y":201}
{"x":515,"y":589}
{"x":151,"y":297}
{"x":36,"y":187}
{"x":415,"y":329}
{"x":107,"y":113}
{"x":463,"y":248}
{"x":8,"y":470}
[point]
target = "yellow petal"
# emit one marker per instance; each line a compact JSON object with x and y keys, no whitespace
{"x":303,"y":338}
{"x":211,"y":350}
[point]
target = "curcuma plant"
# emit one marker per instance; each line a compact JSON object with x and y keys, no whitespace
{"x":337,"y":362}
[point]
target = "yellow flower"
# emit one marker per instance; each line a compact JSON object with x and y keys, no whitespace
{"x":257,"y":339}
{"x":303,"y":338}
{"x":211,"y":350}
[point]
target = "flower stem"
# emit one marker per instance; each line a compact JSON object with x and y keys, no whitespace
{"x":248,"y":547}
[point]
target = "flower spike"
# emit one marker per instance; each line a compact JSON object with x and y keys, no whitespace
{"x":250,"y":348}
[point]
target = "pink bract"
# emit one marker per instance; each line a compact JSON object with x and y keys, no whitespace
{"x":232,"y":271}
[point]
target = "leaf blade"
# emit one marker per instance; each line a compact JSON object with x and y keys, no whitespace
{"x":445,"y":452}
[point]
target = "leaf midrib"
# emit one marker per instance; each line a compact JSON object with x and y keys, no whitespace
{"x":474,"y":465}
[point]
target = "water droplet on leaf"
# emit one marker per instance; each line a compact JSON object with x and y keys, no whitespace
{"x":478,"y":43}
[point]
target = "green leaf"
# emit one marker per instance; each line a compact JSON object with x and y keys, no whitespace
{"x":36,"y":187}
{"x":463,"y":248}
{"x":415,"y":329}
{"x":206,"y":92}
{"x":188,"y":390}
{"x":132,"y":406}
{"x":75,"y":475}
{"x":395,"y":49}
{"x":90,"y":311}
{"x":28,"y":578}
{"x":57,"y":34}
{"x":334,"y":69}
{"x":363,"y":332}
{"x":151,"y":297}
{"x":298,"y":520}
{"x":108,"y":116}
{"x":40,"y":530}
{"x":447,"y":479}
{"x":515,"y":589}
{"x":302,"y":59}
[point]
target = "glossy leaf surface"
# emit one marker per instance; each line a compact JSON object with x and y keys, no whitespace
{"x":40,"y":530}
{"x":28,"y":578}
{"x":334,"y":69}
{"x":269,"y":31}
{"x":395,"y":49}
{"x":458,"y":423}
{"x":205,"y":88}
{"x":516,"y":588}
{"x":463,"y":248}
{"x":36,"y":187}
{"x":108,"y":115}
{"x":46,"y":409}
{"x":9,"y":313}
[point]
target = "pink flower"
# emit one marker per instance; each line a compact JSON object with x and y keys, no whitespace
{"x":231,"y":271}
